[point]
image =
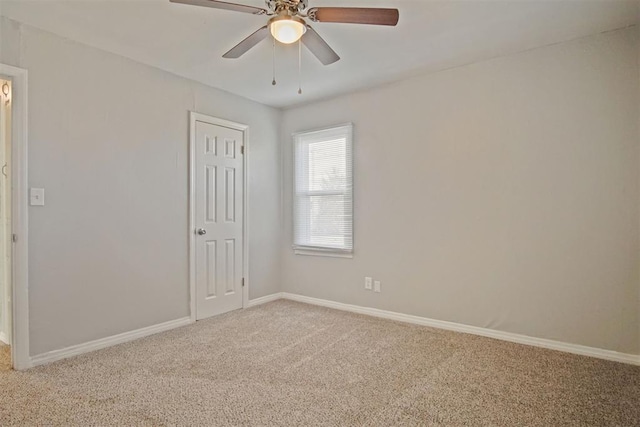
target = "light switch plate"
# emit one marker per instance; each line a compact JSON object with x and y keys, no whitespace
{"x":36,"y":197}
{"x":367,"y":283}
{"x":376,"y":286}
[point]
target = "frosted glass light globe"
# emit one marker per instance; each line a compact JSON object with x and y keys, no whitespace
{"x":286,"y":29}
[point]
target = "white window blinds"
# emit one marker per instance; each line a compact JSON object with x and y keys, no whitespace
{"x":323,"y":191}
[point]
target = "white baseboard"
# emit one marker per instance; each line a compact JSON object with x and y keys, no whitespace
{"x":458,"y":327}
{"x":4,"y":338}
{"x":265,"y":299}
{"x":75,"y":350}
{"x":101,"y":343}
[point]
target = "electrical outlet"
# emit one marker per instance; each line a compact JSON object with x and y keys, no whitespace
{"x":367,"y":283}
{"x":376,"y":286}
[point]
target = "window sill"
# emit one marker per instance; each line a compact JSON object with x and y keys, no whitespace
{"x":320,"y":252}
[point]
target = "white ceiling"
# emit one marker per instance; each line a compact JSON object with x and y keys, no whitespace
{"x":431,"y":35}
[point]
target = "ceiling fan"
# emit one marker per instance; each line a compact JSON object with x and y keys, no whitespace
{"x":288,"y":25}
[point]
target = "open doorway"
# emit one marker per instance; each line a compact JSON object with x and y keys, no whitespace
{"x":5,"y":226}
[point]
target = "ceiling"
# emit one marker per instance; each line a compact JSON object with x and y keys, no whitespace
{"x":430,"y":36}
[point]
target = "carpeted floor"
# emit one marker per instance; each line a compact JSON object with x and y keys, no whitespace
{"x":286,"y":364}
{"x":5,"y":357}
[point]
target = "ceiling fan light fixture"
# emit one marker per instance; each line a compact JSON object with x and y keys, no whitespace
{"x":287,"y":29}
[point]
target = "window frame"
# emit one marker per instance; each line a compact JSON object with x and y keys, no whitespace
{"x":321,"y":250}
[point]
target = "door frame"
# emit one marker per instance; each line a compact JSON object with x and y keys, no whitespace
{"x":19,"y":218}
{"x":199,"y":117}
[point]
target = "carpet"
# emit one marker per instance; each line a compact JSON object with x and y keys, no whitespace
{"x":5,"y":357}
{"x":292,"y":364}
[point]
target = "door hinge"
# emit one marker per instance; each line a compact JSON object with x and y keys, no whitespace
{"x":242,"y":149}
{"x":243,"y":282}
{"x":14,"y":238}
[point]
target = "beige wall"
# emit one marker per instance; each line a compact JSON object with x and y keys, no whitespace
{"x":108,"y":140}
{"x":503,"y":194}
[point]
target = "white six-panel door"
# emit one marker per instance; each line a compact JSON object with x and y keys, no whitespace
{"x":218,"y":219}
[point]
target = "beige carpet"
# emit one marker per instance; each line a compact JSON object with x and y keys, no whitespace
{"x":285,"y":364}
{"x":5,"y":357}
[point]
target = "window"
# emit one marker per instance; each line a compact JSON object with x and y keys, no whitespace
{"x":323,"y":193}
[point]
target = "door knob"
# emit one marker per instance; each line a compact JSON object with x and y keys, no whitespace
{"x":202,"y":231}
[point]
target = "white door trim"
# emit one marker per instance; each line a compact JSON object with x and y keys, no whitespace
{"x":198,"y":117}
{"x":19,"y":218}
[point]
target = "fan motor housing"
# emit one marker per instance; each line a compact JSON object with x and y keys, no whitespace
{"x":291,"y":6}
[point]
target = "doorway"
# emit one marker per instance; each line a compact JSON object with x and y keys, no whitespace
{"x":15,"y":245}
{"x":218,"y":216}
{"x":5,"y":226}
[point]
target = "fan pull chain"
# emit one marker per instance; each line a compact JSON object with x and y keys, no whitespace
{"x":273,"y":82}
{"x":299,"y":67}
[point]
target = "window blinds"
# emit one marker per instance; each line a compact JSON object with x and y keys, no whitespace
{"x":323,"y":190}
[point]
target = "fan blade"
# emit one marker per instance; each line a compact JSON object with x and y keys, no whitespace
{"x":241,"y":48}
{"x":223,"y":5}
{"x":354,"y":15}
{"x":319,"y":47}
